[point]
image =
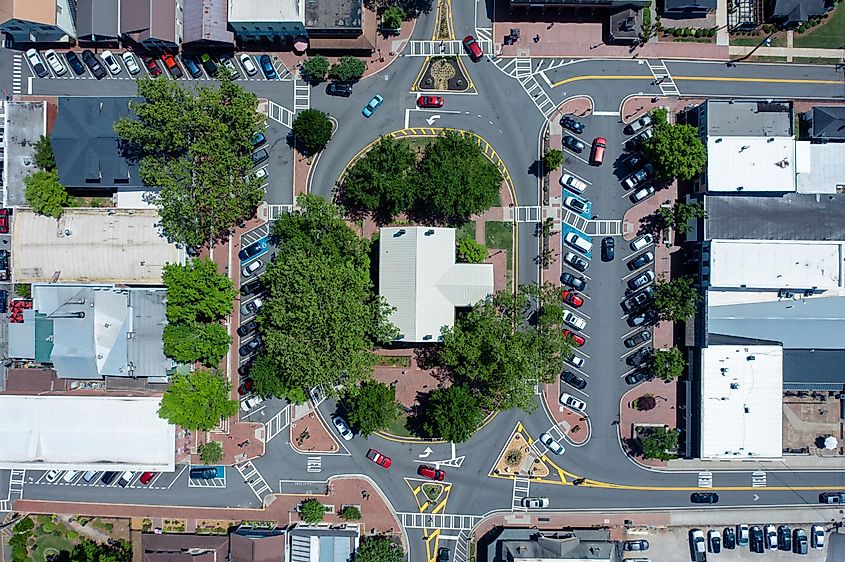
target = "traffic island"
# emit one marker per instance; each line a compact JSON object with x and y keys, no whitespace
{"x":443,"y":74}
{"x":309,"y":435}
{"x":519,"y":459}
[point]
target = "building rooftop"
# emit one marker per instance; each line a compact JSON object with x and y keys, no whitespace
{"x":38,"y":11}
{"x":91,"y":246}
{"x":751,"y":164}
{"x":25,"y":123}
{"x":689,"y":5}
{"x":823,"y":169}
{"x":257,"y":545}
{"x":798,"y":10}
{"x":814,"y":369}
{"x":418,"y":276}
{"x":146,"y":19}
{"x":85,"y":433}
{"x":97,"y":20}
{"x":270,"y":10}
{"x":738,"y":118}
{"x":328,"y":15}
{"x":828,"y":123}
{"x":206,"y":21}
{"x":741,"y":402}
{"x":530,"y":545}
{"x":184,"y":548}
{"x":321,"y":543}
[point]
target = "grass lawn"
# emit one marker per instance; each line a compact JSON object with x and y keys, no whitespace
{"x":398,"y":427}
{"x":828,"y":35}
{"x":498,"y":235}
{"x":814,"y":60}
{"x":777,"y":41}
{"x":466,"y":231}
{"x":391,"y":360}
{"x":51,"y":544}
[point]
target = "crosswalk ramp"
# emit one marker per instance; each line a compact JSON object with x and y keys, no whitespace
{"x":521,"y":487}
{"x":538,"y":95}
{"x":705,"y":479}
{"x":663,"y":78}
{"x":445,"y":521}
{"x":603,"y":228}
{"x":461,"y":553}
{"x":254,"y":479}
{"x":758,"y":479}
{"x":276,"y":211}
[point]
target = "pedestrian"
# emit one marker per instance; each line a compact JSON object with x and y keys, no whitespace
{"x":537,"y":38}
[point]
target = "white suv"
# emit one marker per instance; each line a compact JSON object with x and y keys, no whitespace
{"x":572,"y":183}
{"x":574,"y":320}
{"x":571,"y":402}
{"x":641,"y":242}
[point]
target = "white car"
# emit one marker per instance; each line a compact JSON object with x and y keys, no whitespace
{"x":771,"y":537}
{"x":699,"y":544}
{"x":576,"y":361}
{"x":37,"y":65}
{"x":250,"y":403}
{"x":577,"y":205}
{"x":534,"y":503}
{"x":52,"y":476}
{"x":572,"y":183}
{"x":125,"y":478}
{"x":131,"y":63}
{"x":553,"y":445}
{"x":111,"y":63}
{"x":69,"y":476}
{"x":342,"y":427}
{"x":571,"y":402}
{"x":639,"y":124}
{"x":643,"y":194}
{"x":261,"y":174}
{"x":574,"y":320}
{"x":578,"y":242}
{"x":251,"y":267}
{"x":817,"y":536}
{"x":249,"y":65}
{"x":55,"y":62}
{"x":641,"y":242}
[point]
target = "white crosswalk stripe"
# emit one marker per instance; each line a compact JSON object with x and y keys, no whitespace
{"x":254,"y":479}
{"x":522,"y":68}
{"x":411,"y":520}
{"x":444,"y":48}
{"x":461,"y":554}
{"x":17,"y":73}
{"x":276,"y":211}
{"x":705,"y":479}
{"x":604,"y":228}
{"x":16,"y":480}
{"x":280,"y":114}
{"x":277,"y":423}
{"x":758,"y":479}
{"x":537,"y":94}
{"x":314,"y":464}
{"x":301,"y":96}
{"x":663,"y":78}
{"x":521,"y":487}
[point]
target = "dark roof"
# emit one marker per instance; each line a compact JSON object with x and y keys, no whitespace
{"x":794,"y":216}
{"x":96,"y":20}
{"x":205,"y":21}
{"x":814,"y":369}
{"x":86,"y":146}
{"x":828,"y":123}
{"x":257,"y":547}
{"x":333,"y":15}
{"x":148,"y":19}
{"x":798,"y":10}
{"x":689,"y":5}
{"x":180,"y":548}
{"x":626,"y":25}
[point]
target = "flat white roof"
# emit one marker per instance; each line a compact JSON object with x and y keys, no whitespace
{"x":741,"y":402}
{"x":268,"y":10}
{"x":85,"y":433}
{"x":91,"y":246}
{"x":822,"y":168}
{"x":768,"y":264}
{"x":749,"y":164}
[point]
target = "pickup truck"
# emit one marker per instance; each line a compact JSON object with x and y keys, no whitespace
{"x":698,"y":545}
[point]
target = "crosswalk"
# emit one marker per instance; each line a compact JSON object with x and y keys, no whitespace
{"x":538,"y":95}
{"x":280,"y":114}
{"x":521,"y":68}
{"x":521,"y":487}
{"x":314,"y":464}
{"x":561,"y":214}
{"x":445,"y":521}
{"x":604,"y":228}
{"x":301,"y":96}
{"x":758,"y":479}
{"x":461,"y":554}
{"x":444,"y":48}
{"x":663,"y":79}
{"x":276,"y":211}
{"x":17,"y":73}
{"x":16,"y":480}
{"x":705,"y":479}
{"x":277,"y":424}
{"x":254,"y":479}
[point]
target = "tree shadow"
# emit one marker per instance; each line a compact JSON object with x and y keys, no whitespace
{"x":652,"y":224}
{"x":536,"y":169}
{"x":413,"y":8}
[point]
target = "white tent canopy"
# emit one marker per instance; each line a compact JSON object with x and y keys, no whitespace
{"x":830,"y":442}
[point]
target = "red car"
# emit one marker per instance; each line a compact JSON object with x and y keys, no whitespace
{"x":172,"y":65}
{"x":579,"y":341}
{"x":379,"y":459}
{"x":572,"y":299}
{"x":147,"y":477}
{"x":597,"y":157}
{"x":152,"y":66}
{"x":4,"y":221}
{"x":430,"y":101}
{"x":246,"y":387}
{"x":473,"y":48}
{"x":431,"y":472}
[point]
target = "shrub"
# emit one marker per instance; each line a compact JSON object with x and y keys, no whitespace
{"x":676,"y":32}
{"x":48,"y":527}
{"x":211,"y":453}
{"x":698,"y":32}
{"x":470,"y":251}
{"x":350,"y":513}
{"x":72,"y":535}
{"x":312,"y":511}
{"x":24,"y":525}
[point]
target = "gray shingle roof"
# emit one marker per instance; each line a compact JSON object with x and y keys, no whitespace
{"x":814,"y":369}
{"x":96,"y":20}
{"x":828,"y":123}
{"x":798,"y":10}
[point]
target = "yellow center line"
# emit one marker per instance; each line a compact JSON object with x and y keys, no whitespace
{"x":699,"y":79}
{"x":602,"y":77}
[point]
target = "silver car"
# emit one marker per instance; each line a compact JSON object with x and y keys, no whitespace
{"x":550,"y":442}
{"x":535,"y":503}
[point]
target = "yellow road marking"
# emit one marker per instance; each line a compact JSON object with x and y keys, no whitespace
{"x":424,"y":506}
{"x":519,"y":427}
{"x":601,"y":77}
{"x":739,"y":79}
{"x":431,"y":553}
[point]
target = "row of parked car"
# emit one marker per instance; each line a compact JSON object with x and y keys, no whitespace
{"x":107,"y":478}
{"x":109,"y":64}
{"x":757,"y":538}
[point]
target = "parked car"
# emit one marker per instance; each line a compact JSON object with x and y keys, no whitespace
{"x":171,"y":65}
{"x":578,"y":205}
{"x":742,"y":535}
{"x":152,"y":67}
{"x":572,"y":319}
{"x":74,"y":63}
{"x":248,"y":64}
{"x":573,"y":380}
{"x":125,"y":478}
{"x":771,"y":537}
{"x":573,"y":144}
{"x":637,"y":377}
{"x":227,"y":61}
{"x":572,"y":183}
{"x":638,"y":177}
{"x":267,"y":67}
{"x":638,"y":125}
{"x":633,"y":160}
{"x":784,"y":538}
{"x":132,"y":66}
{"x":577,"y":340}
{"x":643,"y":336}
{"x":430,"y":101}
{"x":577,"y":283}
{"x":535,"y":503}
{"x":642,"y":194}
{"x":246,"y":386}
{"x":641,"y":280}
{"x":641,"y":242}
{"x":570,"y":123}
{"x":342,"y":428}
{"x":209,"y":65}
{"x":817,"y":536}
{"x":257,"y":139}
{"x":250,"y":347}
{"x":578,"y":242}
{"x":575,"y":361}
{"x":89,"y":475}
{"x":379,"y":459}
{"x":4,"y":221}
{"x":832,"y":497}
{"x":192,"y":66}
{"x":250,"y":403}
{"x":37,"y":64}
{"x":147,"y":477}
{"x":108,"y":477}
{"x":571,"y":402}
{"x":597,"y":154}
{"x":576,"y":262}
{"x":247,"y":328}
{"x":372,"y":105}
{"x":635,"y":546}
{"x":714,"y":541}
{"x":552,"y":445}
{"x":572,"y":299}
{"x":251,"y":307}
{"x":472,"y":48}
{"x":253,"y":287}
{"x":698,"y":545}
{"x":704,"y":497}
{"x":638,"y":357}
{"x":251,"y":267}
{"x":637,"y":300}
{"x":335,"y":89}
{"x":69,"y":476}
{"x":93,"y":64}
{"x":644,"y":318}
{"x":55,"y":62}
{"x":729,"y":538}
{"x":443,"y":554}
{"x":111,"y":63}
{"x":259,"y":156}
{"x":608,"y":247}
{"x":757,"y":543}
{"x":799,"y":541}
{"x":430,"y":472}
{"x":203,"y":473}
{"x":253,"y":249}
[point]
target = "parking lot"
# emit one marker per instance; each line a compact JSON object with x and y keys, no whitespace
{"x":161,"y":480}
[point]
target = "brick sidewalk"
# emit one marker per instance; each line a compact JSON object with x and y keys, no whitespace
{"x":308,"y":434}
{"x":549,"y":520}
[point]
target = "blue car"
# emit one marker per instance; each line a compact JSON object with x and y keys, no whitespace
{"x":253,"y":250}
{"x":267,"y":67}
{"x":371,"y":107}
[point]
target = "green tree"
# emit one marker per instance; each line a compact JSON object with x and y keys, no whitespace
{"x":455,"y":180}
{"x":378,"y":549}
{"x":198,"y":401}
{"x":196,"y":291}
{"x":312,"y":130}
{"x":87,"y":550}
{"x":658,"y":442}
{"x":667,"y":364}
{"x":187,"y":342}
{"x":312,"y":511}
{"x":381,"y":182}
{"x":315,"y":68}
{"x":552,"y":160}
{"x":44,"y":157}
{"x":676,"y":150}
{"x":348,"y":69}
{"x":45,"y":194}
{"x":452,"y":414}
{"x":470,"y":251}
{"x":24,"y":525}
{"x":392,"y":17}
{"x":676,"y":300}
{"x":195,"y":149}
{"x":372,"y":407}
{"x":321,"y":316}
{"x":350,"y":513}
{"x":211,"y":452}
{"x":678,"y":215}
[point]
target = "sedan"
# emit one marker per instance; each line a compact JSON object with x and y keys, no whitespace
{"x":267,"y":67}
{"x":704,"y":497}
{"x":574,"y":380}
{"x":69,"y":476}
{"x":575,"y":261}
{"x":253,"y":249}
{"x":574,"y":282}
{"x":229,"y":63}
{"x":535,"y":503}
{"x":111,"y":63}
{"x":577,"y":205}
{"x":371,"y":107}
{"x":572,"y":299}
{"x":473,"y":49}
{"x":430,"y":472}
{"x":771,"y":537}
{"x":742,"y":535}
{"x":817,"y":536}
{"x":597,"y":154}
{"x":638,"y":177}
{"x":251,"y":307}
{"x":647,"y":317}
{"x":571,"y":402}
{"x":248,"y":64}
{"x":636,"y":377}
{"x":637,"y":300}
{"x":192,"y":66}
{"x":247,"y":328}
{"x":784,"y":538}
{"x":94,"y":64}
{"x":641,"y":242}
{"x":638,"y":125}
{"x":799,"y":541}
{"x":643,"y":336}
{"x":641,"y":280}
{"x":55,"y":62}
{"x":131,"y":64}
{"x":37,"y":66}
{"x":575,"y":361}
{"x":52,"y":476}
{"x":577,"y":340}
{"x":152,"y":67}
{"x":639,"y":357}
{"x":729,"y":538}
{"x":430,"y":101}
{"x":335,"y":89}
{"x":342,"y":428}
{"x":250,"y":403}
{"x":74,"y":62}
{"x":714,"y":541}
{"x":550,"y":442}
{"x":253,"y":287}
{"x":607,"y":249}
{"x":250,"y":347}
{"x":246,"y":387}
{"x":642,"y":194}
{"x":251,"y":268}
{"x":568,"y":122}
{"x":758,"y":544}
{"x":635,"y":546}
{"x":573,"y":144}
{"x":572,"y":183}
{"x":379,"y":459}
{"x":171,"y":65}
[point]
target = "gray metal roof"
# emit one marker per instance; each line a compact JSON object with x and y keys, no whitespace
{"x":814,"y":369}
{"x":206,"y":21}
{"x":530,"y":545}
{"x":334,"y":545}
{"x":96,"y":20}
{"x":828,"y":123}
{"x":794,"y":216}
{"x":689,"y":5}
{"x":146,"y":358}
{"x":798,"y":10}
{"x":748,"y":118}
{"x":87,"y":148}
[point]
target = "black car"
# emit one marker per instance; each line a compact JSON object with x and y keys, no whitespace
{"x":93,"y":64}
{"x":635,"y":546}
{"x":644,"y":318}
{"x":253,"y":287}
{"x":572,"y":379}
{"x":784,"y":538}
{"x":573,"y":144}
{"x":191,"y":66}
{"x":443,"y":554}
{"x":799,"y":541}
{"x":608,"y":247}
{"x":705,"y":497}
{"x":577,"y":283}
{"x":729,"y":538}
{"x":259,"y":156}
{"x":641,"y":260}
{"x":108,"y":477}
{"x":637,"y":300}
{"x":248,"y":328}
{"x":250,"y":347}
{"x":568,"y":122}
{"x":203,"y":473}
{"x":252,"y":250}
{"x":335,"y":89}
{"x":638,"y":358}
{"x":208,"y":64}
{"x":757,"y":544}
{"x":637,"y":377}
{"x":638,"y":338}
{"x":244,"y":369}
{"x":74,"y":63}
{"x":4,"y":301}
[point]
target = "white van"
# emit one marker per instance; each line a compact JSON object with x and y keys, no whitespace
{"x":69,"y":476}
{"x":581,"y":244}
{"x":89,"y":475}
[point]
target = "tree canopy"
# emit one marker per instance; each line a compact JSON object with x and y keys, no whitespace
{"x":452,"y":414}
{"x":470,"y":251}
{"x":197,"y":401}
{"x":45,"y":194}
{"x":312,"y":130}
{"x":187,"y":342}
{"x":676,"y":150}
{"x":211,"y":452}
{"x":196,"y":149}
{"x":348,"y":69}
{"x":676,"y":300}
{"x":378,"y":549}
{"x":392,"y":17}
{"x":44,"y":157}
{"x":678,"y":215}
{"x":315,"y":68}
{"x":321,"y":316}
{"x":196,"y":291}
{"x":312,"y":511}
{"x":372,"y":407}
{"x":667,"y":364}
{"x":552,"y":160}
{"x":658,"y":442}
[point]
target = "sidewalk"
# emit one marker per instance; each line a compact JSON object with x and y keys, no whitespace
{"x":788,"y":52}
